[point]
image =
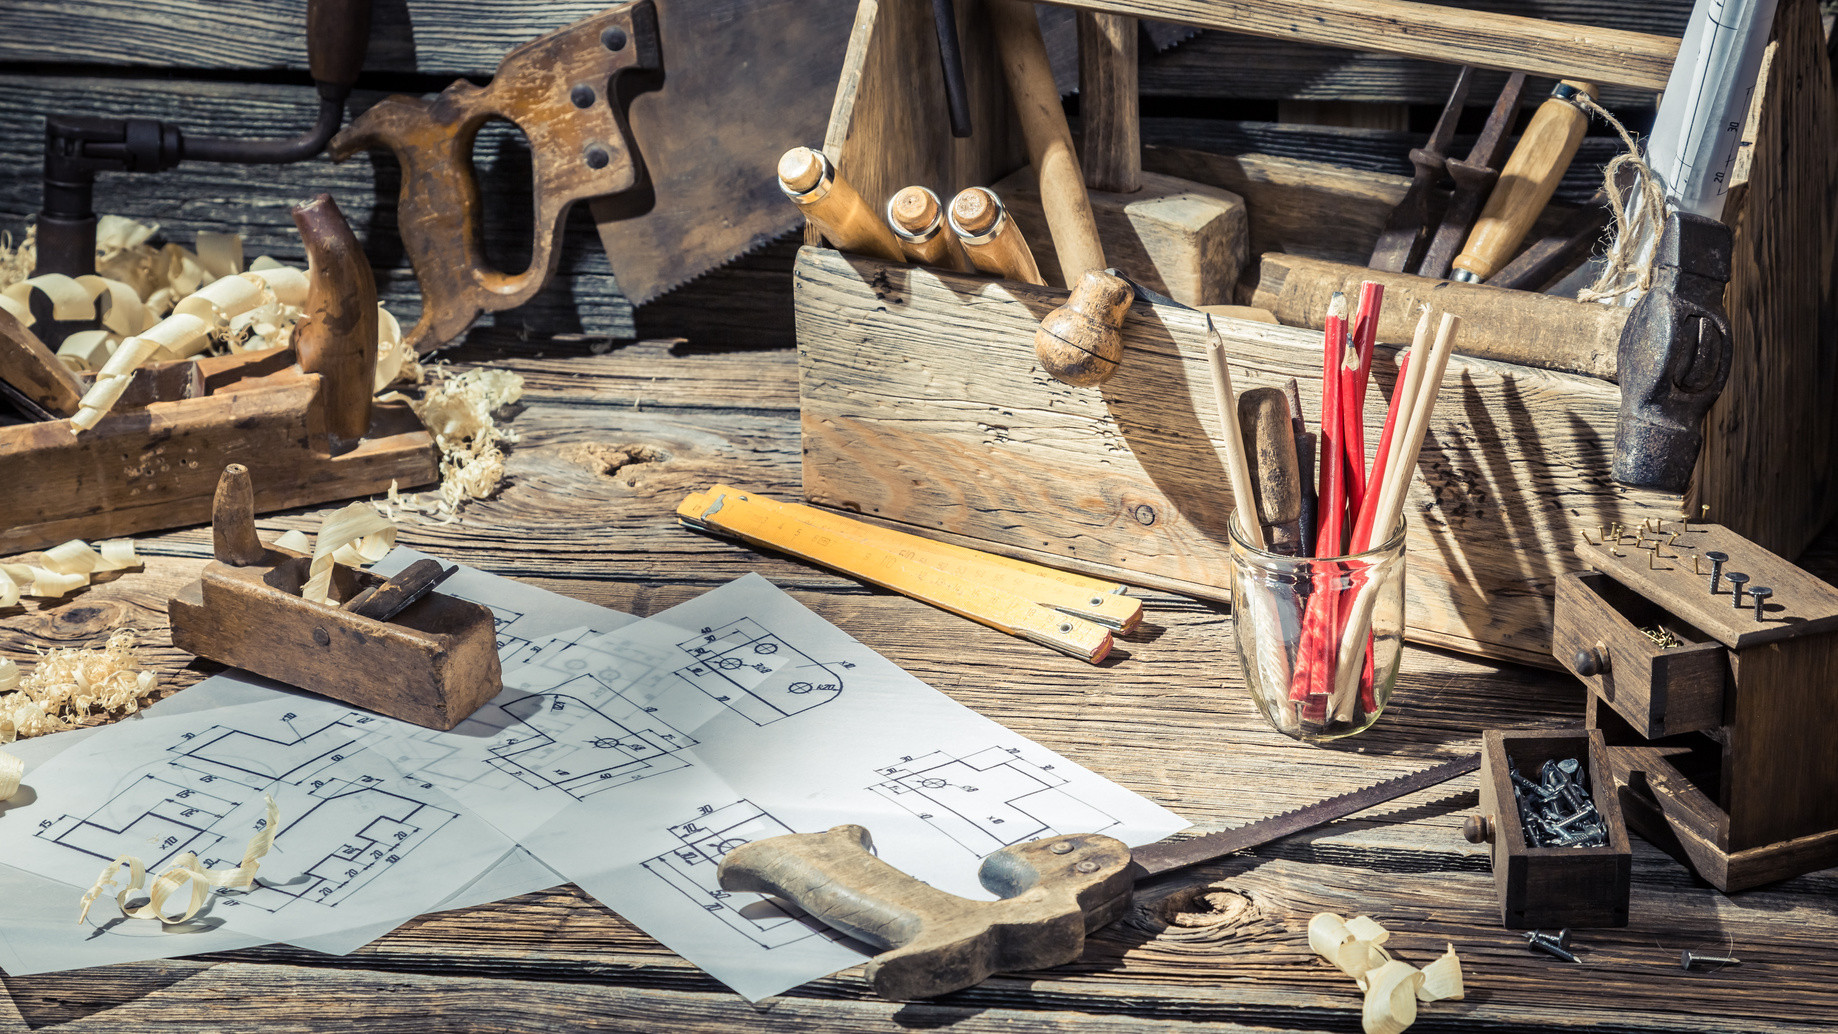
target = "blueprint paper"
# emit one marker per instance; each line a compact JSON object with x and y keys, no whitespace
{"x":359,"y":843}
{"x":758,"y":717}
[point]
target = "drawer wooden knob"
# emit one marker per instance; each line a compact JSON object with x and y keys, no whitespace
{"x":1477,"y":829}
{"x":1591,"y":661}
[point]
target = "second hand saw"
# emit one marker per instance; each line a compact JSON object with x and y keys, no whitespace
{"x":1053,"y":891}
{"x":668,"y":115}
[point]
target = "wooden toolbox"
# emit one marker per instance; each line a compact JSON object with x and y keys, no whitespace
{"x":1552,"y":887}
{"x":1719,"y":720}
{"x":924,"y":406}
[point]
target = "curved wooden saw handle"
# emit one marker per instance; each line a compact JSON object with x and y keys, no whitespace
{"x":558,"y":90}
{"x":1053,"y":891}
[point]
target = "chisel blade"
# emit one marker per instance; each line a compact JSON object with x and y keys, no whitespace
{"x":1169,"y":855}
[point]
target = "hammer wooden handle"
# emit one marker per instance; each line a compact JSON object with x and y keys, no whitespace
{"x":1526,"y":183}
{"x":940,"y":942}
{"x":337,"y":333}
{"x":812,"y":183}
{"x":1049,"y":139}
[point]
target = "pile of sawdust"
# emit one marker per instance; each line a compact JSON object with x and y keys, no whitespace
{"x":70,"y":685}
{"x":460,"y":412}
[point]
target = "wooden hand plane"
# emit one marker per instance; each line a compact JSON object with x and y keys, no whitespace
{"x":1053,"y":891}
{"x":390,"y":646}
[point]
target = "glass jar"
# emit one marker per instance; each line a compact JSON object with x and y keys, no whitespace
{"x":1319,"y":639}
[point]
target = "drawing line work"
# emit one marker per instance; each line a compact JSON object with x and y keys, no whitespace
{"x":757,"y":673}
{"x":690,"y":870}
{"x":990,"y":799}
{"x":207,"y":798}
{"x":562,"y":741}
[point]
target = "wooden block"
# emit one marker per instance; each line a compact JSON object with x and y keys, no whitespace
{"x":1184,"y":239}
{"x":1552,"y":887}
{"x":433,"y":664}
{"x":1660,"y":690}
{"x":1125,"y":480}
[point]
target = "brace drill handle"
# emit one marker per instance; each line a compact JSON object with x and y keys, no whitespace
{"x":1053,"y":891}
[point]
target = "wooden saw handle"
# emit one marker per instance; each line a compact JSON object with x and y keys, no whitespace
{"x":1053,"y":891}
{"x":1526,"y":183}
{"x":558,"y":90}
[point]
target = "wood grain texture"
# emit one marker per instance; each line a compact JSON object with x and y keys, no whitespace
{"x":1110,"y":112}
{"x":1659,"y":691}
{"x":1773,"y":434}
{"x":1127,"y":482}
{"x":1223,"y":946}
{"x":1479,"y":38}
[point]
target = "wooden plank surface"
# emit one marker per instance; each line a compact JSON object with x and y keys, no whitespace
{"x":611,"y":441}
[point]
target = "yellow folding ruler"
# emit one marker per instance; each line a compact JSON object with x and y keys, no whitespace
{"x":1064,"y":611}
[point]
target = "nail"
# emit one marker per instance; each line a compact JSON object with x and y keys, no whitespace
{"x":1717,"y":560}
{"x":1760,"y":595}
{"x":1686,"y":958}
{"x":1538,"y":943}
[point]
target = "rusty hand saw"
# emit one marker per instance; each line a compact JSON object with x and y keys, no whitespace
{"x":669,"y":115}
{"x":1053,"y":891}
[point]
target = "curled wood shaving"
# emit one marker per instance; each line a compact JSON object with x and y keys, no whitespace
{"x":184,"y":871}
{"x":459,"y":413}
{"x":1393,"y":988}
{"x":354,"y":536}
{"x":11,"y":770}
{"x":63,"y":569}
{"x":17,"y":260}
{"x":69,"y":685}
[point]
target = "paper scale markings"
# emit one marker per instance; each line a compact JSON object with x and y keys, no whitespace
{"x":560,"y":740}
{"x":756,"y":673}
{"x":690,"y":870}
{"x":988,"y":800}
{"x":208,"y":800}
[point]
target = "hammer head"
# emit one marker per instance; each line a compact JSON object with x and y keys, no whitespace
{"x":1674,"y":356}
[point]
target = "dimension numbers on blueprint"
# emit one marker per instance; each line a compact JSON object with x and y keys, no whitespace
{"x":988,"y":800}
{"x":758,"y":674}
{"x":690,"y":870}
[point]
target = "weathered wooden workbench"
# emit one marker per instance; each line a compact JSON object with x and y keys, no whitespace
{"x":612,"y":439}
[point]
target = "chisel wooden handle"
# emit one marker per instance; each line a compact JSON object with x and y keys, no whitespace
{"x":1052,"y":891}
{"x":1081,"y":342}
{"x":1270,"y":447}
{"x":1049,"y":140}
{"x":1526,"y":183}
{"x":337,"y":333}
{"x":917,"y":218}
{"x":990,"y":238}
{"x":809,"y":179}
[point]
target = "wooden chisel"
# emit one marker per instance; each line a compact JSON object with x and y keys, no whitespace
{"x":1270,"y":446}
{"x":917,"y":218}
{"x":1526,"y":183}
{"x":991,"y":239}
{"x":1051,"y":892}
{"x":811,"y":181}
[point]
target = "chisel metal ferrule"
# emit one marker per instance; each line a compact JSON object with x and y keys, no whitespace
{"x":818,"y":190}
{"x":996,"y":228}
{"x":923,"y":234}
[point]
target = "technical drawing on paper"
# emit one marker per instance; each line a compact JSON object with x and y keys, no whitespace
{"x":690,"y":869}
{"x":206,"y":799}
{"x":988,"y":800}
{"x":756,"y":673}
{"x":560,"y":740}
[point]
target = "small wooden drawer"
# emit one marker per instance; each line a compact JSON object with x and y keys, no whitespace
{"x":1660,"y":690}
{"x":1553,"y":887}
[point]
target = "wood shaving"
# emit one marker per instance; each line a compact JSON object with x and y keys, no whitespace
{"x":184,"y":871}
{"x":63,"y":569}
{"x":459,"y":412}
{"x":354,"y":536}
{"x":1393,"y":988}
{"x":11,"y":770}
{"x":69,"y":685}
{"x":16,"y":261}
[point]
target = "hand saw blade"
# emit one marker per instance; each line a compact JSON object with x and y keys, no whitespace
{"x":1169,"y":855}
{"x":743,"y":82}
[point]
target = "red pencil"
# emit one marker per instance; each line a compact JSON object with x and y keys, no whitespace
{"x":1331,"y":517}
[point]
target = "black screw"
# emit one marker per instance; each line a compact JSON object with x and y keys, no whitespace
{"x":1561,"y":938}
{"x":1537,"y":942}
{"x":1569,"y":766}
{"x":1717,"y":560}
{"x":582,"y":95}
{"x":613,"y":38}
{"x":1760,"y":595}
{"x":1737,"y":580}
{"x":1686,"y":958}
{"x":597,"y":158}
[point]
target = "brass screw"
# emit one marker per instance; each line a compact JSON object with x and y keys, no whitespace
{"x":1694,"y":565}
